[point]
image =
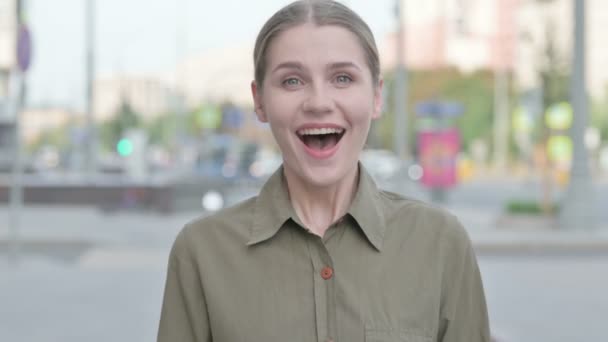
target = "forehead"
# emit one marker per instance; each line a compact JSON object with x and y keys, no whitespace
{"x":309,"y":43}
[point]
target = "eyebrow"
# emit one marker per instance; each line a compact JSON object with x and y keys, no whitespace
{"x":289,"y":65}
{"x":332,"y":66}
{"x":341,"y":65}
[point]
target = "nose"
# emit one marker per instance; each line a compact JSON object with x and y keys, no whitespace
{"x":318,"y":100}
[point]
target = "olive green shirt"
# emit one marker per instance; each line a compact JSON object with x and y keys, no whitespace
{"x":392,"y":269}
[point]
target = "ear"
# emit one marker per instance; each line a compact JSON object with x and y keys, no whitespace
{"x":378,"y":99}
{"x":257,"y":102}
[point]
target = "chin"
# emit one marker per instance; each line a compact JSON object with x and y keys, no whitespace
{"x":323,"y":176}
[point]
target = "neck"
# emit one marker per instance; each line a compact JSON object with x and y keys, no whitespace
{"x":318,"y":207}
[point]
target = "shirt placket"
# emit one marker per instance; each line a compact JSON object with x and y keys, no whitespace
{"x":324,"y":290}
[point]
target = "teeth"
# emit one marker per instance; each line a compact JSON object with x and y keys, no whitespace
{"x":318,"y":131}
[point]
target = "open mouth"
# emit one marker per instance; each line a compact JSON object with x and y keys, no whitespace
{"x":321,"y":139}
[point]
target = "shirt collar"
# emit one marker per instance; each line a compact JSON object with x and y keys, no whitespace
{"x":273,"y":208}
{"x":367,"y":210}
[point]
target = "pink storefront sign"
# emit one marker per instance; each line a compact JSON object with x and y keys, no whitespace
{"x":438,"y":151}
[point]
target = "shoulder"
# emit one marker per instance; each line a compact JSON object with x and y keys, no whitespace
{"x":236,"y":216}
{"x":230,"y":224}
{"x":439,"y":233}
{"x":423,"y":219}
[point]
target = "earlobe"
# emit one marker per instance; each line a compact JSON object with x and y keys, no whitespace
{"x":257,"y":102}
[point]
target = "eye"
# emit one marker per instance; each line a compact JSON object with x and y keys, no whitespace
{"x":343,"y":79}
{"x":292,"y":82}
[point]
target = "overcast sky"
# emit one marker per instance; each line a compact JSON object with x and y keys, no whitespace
{"x":139,"y":36}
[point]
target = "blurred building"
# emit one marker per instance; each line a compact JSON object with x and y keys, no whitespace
{"x":36,"y":121}
{"x":493,"y":34}
{"x":467,"y":34}
{"x":149,"y":96}
{"x":540,"y":21}
{"x":217,"y":76}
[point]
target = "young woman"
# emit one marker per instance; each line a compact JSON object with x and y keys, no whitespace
{"x":322,"y":254}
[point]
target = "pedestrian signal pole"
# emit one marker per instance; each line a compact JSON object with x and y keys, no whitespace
{"x":578,"y":209}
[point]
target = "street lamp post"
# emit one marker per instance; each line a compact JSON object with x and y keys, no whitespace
{"x":400,"y":136}
{"x":91,"y":146}
{"x":577,"y":208}
{"x":23,"y":53}
{"x":179,"y":91}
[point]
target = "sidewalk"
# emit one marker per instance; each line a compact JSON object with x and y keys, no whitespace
{"x":497,"y":233}
{"x":71,"y":231}
{"x":91,"y":237}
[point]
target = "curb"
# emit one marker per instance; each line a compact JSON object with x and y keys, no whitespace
{"x":548,"y":243}
{"x":64,"y":249}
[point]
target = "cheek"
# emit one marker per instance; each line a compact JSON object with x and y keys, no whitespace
{"x":280,"y":126}
{"x":280,"y":110}
{"x":362,"y":112}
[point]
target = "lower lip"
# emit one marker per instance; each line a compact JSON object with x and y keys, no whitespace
{"x":321,"y":154}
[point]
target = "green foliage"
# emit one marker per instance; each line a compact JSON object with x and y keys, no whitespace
{"x":111,"y":131}
{"x":529,"y":207}
{"x":162,"y":129}
{"x":599,"y":116}
{"x":192,"y":123}
{"x":474,"y":91}
{"x":554,"y":79}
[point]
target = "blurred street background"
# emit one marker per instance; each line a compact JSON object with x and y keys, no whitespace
{"x":120,"y":121}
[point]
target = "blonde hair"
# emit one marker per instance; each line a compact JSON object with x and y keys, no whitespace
{"x":318,"y":12}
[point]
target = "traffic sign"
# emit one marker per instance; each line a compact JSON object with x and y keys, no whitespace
{"x":439,"y":108}
{"x":438,"y":150}
{"x":24,"y":48}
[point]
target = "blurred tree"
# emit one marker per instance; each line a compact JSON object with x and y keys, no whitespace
{"x":193,"y":122}
{"x":472,"y":90}
{"x":475,"y":92}
{"x":599,"y":116}
{"x":161,"y":129}
{"x":553,"y":74}
{"x":112,"y":130}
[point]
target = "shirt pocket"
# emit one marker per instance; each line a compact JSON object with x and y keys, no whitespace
{"x":394,"y":335}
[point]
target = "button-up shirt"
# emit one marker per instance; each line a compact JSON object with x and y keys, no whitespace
{"x":391,"y":269}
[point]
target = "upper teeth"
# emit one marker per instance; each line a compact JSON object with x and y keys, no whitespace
{"x":317,"y":131}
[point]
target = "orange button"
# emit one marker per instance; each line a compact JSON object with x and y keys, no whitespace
{"x":327,"y":272}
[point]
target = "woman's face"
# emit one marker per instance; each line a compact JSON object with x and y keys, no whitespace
{"x":319,"y":98}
